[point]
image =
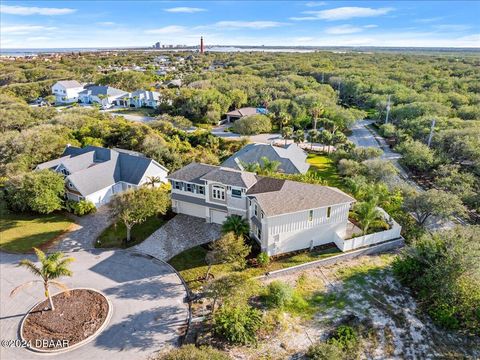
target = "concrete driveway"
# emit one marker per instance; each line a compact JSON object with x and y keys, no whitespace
{"x":149,"y":309}
{"x":178,"y":234}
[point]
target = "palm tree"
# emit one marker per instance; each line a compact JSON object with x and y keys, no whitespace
{"x":153,"y":180}
{"x":52,"y":267}
{"x":367,"y":213}
{"x":316,"y":112}
{"x":312,"y":137}
{"x":287,"y":133}
{"x":325,"y":137}
{"x":299,"y":136}
{"x":236,"y":224}
{"x":269,"y":166}
{"x":250,"y":167}
{"x":283,"y":119}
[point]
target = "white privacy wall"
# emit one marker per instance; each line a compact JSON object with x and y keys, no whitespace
{"x":370,"y":239}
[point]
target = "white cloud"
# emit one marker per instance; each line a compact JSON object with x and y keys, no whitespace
{"x":343,"y":29}
{"x":171,"y":29}
{"x":315,"y":3}
{"x":25,"y":29}
{"x":106,"y":23}
{"x":429,"y":20}
{"x":303,"y":39}
{"x":370,"y":26}
{"x":38,"y":38}
{"x":184,"y":9}
{"x":343,"y":13}
{"x":24,"y":10}
{"x":248,"y":24}
{"x":451,"y":27}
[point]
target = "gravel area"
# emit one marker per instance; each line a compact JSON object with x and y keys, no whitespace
{"x":178,"y":234}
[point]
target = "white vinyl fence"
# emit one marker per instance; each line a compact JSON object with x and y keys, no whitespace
{"x":370,"y":239}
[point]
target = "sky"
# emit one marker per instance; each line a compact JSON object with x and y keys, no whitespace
{"x":74,"y":24}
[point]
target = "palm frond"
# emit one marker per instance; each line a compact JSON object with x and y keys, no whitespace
{"x":23,"y":286}
{"x":30,"y":266}
{"x":59,"y":285}
{"x":40,"y":255}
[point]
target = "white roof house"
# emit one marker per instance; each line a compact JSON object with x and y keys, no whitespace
{"x":96,"y":173}
{"x":66,"y":91}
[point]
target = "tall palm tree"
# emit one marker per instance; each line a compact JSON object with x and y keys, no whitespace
{"x":52,"y":267}
{"x":299,"y":136}
{"x":367,"y":213}
{"x":153,"y":180}
{"x":236,"y":224}
{"x":316,"y":112}
{"x":269,"y":166}
{"x":283,"y":119}
{"x":287,"y":133}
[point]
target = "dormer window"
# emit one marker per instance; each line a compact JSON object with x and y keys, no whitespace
{"x":236,"y":193}
{"x":310,"y":215}
{"x":329,"y":211}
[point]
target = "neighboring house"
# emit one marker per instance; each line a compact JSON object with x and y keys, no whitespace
{"x":292,"y":158}
{"x":96,"y":173}
{"x":105,"y":96}
{"x":283,"y":215}
{"x":66,"y":91}
{"x":237,"y":114}
{"x":143,"y":98}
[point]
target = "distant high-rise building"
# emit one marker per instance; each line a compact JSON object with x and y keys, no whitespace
{"x":157,"y":45}
{"x":202,"y":50}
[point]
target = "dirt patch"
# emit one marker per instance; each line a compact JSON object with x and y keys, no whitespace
{"x":78,"y":315}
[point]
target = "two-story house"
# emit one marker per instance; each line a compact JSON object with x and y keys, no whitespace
{"x":96,"y":173}
{"x":283,"y":215}
{"x":66,"y":91}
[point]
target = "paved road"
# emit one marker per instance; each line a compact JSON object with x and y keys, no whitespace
{"x":147,"y":296}
{"x":362,"y":136}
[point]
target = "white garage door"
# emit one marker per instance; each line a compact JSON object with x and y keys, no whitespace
{"x":217,"y":217}
{"x":191,"y":209}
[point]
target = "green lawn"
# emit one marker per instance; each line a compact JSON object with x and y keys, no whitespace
{"x":21,"y":232}
{"x":115,"y":234}
{"x":192,"y":266}
{"x":325,"y":167}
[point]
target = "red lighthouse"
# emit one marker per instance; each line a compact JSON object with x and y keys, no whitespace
{"x":202,"y":49}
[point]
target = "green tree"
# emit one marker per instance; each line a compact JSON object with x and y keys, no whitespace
{"x":254,"y":124}
{"x":233,"y":288}
{"x":433,"y":203}
{"x":268,"y":166}
{"x":237,"y":323}
{"x":299,"y":136}
{"x":135,"y":206}
{"x":443,"y":271}
{"x":287,"y":133}
{"x":417,"y":155}
{"x":52,"y":267}
{"x":236,"y":224}
{"x":39,"y":191}
{"x":153,"y":181}
{"x":230,"y":248}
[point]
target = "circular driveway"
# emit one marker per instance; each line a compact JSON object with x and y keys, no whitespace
{"x":148,"y":298}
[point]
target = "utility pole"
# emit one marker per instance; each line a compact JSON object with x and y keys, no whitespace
{"x":388,"y":109}
{"x":431,"y":133}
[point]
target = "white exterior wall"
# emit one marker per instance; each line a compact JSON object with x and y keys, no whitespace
{"x":101,"y":197}
{"x":65,"y":96}
{"x":294,"y":231}
{"x":155,"y":169}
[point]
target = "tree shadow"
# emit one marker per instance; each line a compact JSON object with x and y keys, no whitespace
{"x":148,"y":329}
{"x":158,"y":288}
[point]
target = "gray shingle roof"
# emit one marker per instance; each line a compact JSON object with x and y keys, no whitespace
{"x":292,"y":159}
{"x":246,"y":111}
{"x":103,"y":90}
{"x":94,"y":168}
{"x":232,"y":177}
{"x":277,"y":197}
{"x":193,"y":172}
{"x":69,"y":84}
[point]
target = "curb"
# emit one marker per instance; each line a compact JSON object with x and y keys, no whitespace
{"x":77,"y":345}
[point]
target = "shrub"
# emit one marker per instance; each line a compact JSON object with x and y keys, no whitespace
{"x":348,"y":167}
{"x":80,"y":208}
{"x":324,"y":351}
{"x":238,"y":324}
{"x":191,"y":352}
{"x":387,"y":130}
{"x":278,"y":294}
{"x":345,"y":337}
{"x":263,"y":259}
{"x":251,"y":125}
{"x":443,"y":271}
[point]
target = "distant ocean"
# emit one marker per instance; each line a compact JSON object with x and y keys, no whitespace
{"x":27,"y":52}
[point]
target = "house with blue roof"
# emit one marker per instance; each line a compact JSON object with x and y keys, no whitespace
{"x":95,"y":173}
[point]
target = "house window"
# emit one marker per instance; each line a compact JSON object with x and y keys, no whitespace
{"x":178,"y":185}
{"x":329,"y":211}
{"x":236,"y":193}
{"x":310,"y":215}
{"x":218,"y":193}
{"x":263,"y":214}
{"x":259,"y":233}
{"x":255,"y":211}
{"x":70,"y":185}
{"x":188,"y":187}
{"x":201,"y":190}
